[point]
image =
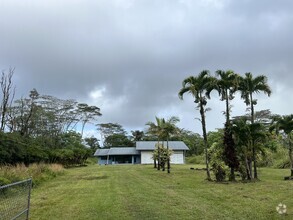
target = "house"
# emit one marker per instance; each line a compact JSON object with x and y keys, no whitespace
{"x":118,"y":155}
{"x":142,"y":153}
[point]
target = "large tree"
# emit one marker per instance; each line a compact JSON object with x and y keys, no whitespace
{"x":249,"y":85}
{"x":285,"y":125}
{"x":198,"y":86}
{"x":87,"y":114}
{"x":107,"y":129}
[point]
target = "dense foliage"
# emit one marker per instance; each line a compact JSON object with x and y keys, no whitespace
{"x":246,"y":140}
{"x":41,"y":128}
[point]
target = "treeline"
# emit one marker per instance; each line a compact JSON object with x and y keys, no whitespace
{"x":41,"y":127}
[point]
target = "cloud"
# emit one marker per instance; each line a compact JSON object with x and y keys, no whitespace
{"x":130,"y":57}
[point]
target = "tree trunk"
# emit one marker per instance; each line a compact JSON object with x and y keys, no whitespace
{"x":232,"y":174}
{"x":248,"y":167}
{"x":291,"y":160}
{"x":253,"y":144}
{"x":168,"y":160}
{"x":291,"y":154}
{"x":227,"y":109}
{"x":203,"y":123}
{"x":254,"y":163}
{"x":159,"y":161}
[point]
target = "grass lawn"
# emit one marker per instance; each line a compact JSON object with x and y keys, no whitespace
{"x":141,"y":192}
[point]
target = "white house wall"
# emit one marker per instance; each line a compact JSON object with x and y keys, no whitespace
{"x":176,"y":158}
{"x":146,"y":157}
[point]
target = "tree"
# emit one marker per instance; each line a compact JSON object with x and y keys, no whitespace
{"x":226,"y":86}
{"x":117,"y":140}
{"x":285,"y":124}
{"x":107,"y":129}
{"x":87,"y":114}
{"x":169,"y":128}
{"x":93,"y":143}
{"x":7,"y":91}
{"x":248,"y":86}
{"x":137,"y":135}
{"x":193,"y":141}
{"x":250,"y":139}
{"x":156,"y":129}
{"x":198,"y":86}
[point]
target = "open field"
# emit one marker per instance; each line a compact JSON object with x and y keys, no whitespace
{"x":140,"y":192}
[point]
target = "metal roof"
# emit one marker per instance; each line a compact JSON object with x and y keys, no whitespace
{"x":101,"y":152}
{"x":123,"y":151}
{"x":117,"y":151}
{"x":150,"y":145}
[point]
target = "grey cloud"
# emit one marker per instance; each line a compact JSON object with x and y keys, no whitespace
{"x":140,"y":51}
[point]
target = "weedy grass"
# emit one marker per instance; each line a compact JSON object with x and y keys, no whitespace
{"x":38,"y":172}
{"x":141,"y":192}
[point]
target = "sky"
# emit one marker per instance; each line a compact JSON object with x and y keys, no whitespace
{"x":129,"y":57}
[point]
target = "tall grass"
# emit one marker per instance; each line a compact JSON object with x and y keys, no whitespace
{"x":38,"y":172}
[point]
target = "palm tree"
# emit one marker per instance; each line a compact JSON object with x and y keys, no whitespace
{"x":169,"y":128}
{"x":199,"y":87}
{"x":156,"y":129}
{"x":226,"y":87}
{"x":285,"y":124}
{"x":248,"y":86}
{"x":241,"y":132}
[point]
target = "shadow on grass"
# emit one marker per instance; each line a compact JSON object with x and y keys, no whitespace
{"x":95,"y":177}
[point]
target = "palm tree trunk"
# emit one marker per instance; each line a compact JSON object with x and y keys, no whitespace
{"x":291,"y":154}
{"x":253,"y":144}
{"x":203,"y":123}
{"x":291,"y":160}
{"x":248,"y":170}
{"x":159,"y":162}
{"x":168,"y":160}
{"x":227,"y":109}
{"x":254,"y":162}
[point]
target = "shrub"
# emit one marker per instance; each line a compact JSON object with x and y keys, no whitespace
{"x":4,"y":181}
{"x":195,"y":159}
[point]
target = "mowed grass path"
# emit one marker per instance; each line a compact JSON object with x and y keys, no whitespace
{"x":141,"y":192}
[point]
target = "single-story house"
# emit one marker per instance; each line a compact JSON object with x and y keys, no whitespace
{"x":142,"y":153}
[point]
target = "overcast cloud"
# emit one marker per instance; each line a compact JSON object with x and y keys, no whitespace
{"x":129,"y":57}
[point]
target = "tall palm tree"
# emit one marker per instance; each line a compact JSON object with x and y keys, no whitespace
{"x":226,"y":86}
{"x":249,"y":85}
{"x":199,"y":87}
{"x":285,"y":124}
